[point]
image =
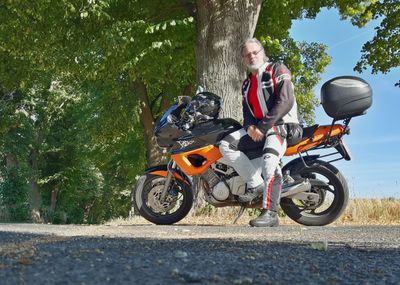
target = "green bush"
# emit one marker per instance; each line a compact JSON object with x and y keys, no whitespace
{"x":14,"y":193}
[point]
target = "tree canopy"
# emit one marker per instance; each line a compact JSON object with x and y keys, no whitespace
{"x":382,"y":53}
{"x":83,"y":82}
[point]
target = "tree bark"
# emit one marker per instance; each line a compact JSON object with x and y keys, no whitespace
{"x":53,"y":200}
{"x":11,"y":160}
{"x":34,"y":199}
{"x":222,"y":26}
{"x":155,"y":154}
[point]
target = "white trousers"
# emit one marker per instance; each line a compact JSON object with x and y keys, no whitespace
{"x":270,"y":173}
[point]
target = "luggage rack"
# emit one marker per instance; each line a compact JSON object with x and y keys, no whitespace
{"x":346,"y":130}
{"x":335,"y":142}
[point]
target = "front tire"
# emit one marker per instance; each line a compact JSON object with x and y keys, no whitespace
{"x":177,"y":204}
{"x":333,"y":197}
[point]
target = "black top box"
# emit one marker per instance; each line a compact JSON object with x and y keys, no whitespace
{"x":345,"y":97}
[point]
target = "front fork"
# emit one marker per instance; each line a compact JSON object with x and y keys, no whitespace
{"x":170,"y":167}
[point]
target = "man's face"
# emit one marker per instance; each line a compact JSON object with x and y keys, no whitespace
{"x":253,"y":56}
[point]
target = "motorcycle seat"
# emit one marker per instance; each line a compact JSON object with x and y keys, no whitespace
{"x":309,"y":131}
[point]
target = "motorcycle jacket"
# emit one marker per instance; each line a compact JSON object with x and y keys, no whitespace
{"x":268,"y":98}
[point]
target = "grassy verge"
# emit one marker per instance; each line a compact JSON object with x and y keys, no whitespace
{"x":372,"y":211}
{"x":358,"y":212}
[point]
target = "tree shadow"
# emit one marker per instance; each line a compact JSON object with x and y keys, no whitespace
{"x":48,"y":259}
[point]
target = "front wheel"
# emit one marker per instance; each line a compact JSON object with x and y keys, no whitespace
{"x":177,"y":204}
{"x":330,"y":186}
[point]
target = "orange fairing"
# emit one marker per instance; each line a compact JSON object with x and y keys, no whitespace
{"x":164,"y":173}
{"x":209,"y":153}
{"x":317,"y":138}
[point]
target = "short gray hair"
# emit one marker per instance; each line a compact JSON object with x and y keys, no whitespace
{"x":253,"y":41}
{"x":250,"y":41}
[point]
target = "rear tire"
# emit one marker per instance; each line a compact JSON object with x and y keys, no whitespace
{"x":337,"y":187}
{"x":176,"y":206}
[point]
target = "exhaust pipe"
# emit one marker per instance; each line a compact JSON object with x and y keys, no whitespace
{"x":290,"y":190}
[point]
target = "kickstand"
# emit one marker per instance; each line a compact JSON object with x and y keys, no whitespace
{"x":241,"y":211}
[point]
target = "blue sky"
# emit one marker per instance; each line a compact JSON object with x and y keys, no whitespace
{"x":374,"y":142}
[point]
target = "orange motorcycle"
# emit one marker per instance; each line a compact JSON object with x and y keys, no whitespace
{"x":314,"y":192}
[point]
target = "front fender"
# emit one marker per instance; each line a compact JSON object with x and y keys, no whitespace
{"x":155,"y":168}
{"x":162,"y":170}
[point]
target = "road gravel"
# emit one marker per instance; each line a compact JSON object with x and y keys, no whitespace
{"x":202,"y":254}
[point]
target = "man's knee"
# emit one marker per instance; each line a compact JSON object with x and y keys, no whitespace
{"x":268,"y":152}
{"x":271,"y":156}
{"x":271,"y":162}
{"x":226,"y":148}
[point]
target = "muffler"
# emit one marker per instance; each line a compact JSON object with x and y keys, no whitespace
{"x":291,"y":189}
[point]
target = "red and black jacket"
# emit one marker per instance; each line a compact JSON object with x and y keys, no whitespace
{"x":275,"y":97}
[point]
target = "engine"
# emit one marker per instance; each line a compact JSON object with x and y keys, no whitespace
{"x":222,"y":182}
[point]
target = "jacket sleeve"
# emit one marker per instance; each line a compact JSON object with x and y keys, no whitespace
{"x":248,"y":118}
{"x":284,"y":98}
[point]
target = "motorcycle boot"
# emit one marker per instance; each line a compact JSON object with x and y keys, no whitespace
{"x":267,"y":218}
{"x":251,"y":194}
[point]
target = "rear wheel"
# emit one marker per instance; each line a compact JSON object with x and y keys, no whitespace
{"x":331,"y":189}
{"x":177,"y":203}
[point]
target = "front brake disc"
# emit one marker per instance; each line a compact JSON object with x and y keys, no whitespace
{"x":154,"y":202}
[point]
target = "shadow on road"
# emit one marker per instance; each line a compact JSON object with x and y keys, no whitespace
{"x":49,"y":259}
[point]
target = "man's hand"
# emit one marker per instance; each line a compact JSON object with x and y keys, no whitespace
{"x":255,"y":133}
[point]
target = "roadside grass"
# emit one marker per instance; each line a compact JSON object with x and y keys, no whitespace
{"x":358,"y":212}
{"x":372,"y":211}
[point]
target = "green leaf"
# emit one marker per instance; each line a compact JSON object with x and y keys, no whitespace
{"x":320,"y":245}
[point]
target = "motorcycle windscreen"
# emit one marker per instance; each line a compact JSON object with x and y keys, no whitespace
{"x":166,"y":131}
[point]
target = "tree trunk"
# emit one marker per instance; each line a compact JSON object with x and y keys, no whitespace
{"x":155,"y":154}
{"x":11,"y":160}
{"x":222,"y":26}
{"x":35,"y":200}
{"x":53,"y":200}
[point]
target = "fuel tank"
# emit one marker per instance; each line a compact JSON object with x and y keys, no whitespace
{"x":206,"y":133}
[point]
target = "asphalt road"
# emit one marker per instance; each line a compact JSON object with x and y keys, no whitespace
{"x":148,"y":254}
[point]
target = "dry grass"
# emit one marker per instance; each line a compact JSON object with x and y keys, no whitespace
{"x":372,"y":211}
{"x":358,"y":211}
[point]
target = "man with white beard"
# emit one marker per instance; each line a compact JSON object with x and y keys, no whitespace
{"x":268,"y":106}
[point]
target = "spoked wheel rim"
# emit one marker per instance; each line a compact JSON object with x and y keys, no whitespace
{"x":175,"y":207}
{"x":327,"y":193}
{"x":173,"y":201}
{"x":330,"y":192}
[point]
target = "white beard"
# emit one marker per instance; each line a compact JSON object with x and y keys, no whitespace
{"x":255,"y":66}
